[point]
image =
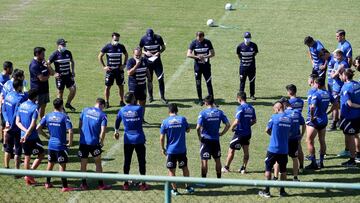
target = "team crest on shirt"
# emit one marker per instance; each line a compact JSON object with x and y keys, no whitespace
{"x":118,"y":50}
{"x":174,"y":121}
{"x":155,"y":41}
{"x":55,"y":119}
{"x":251,"y":49}
{"x":67,"y":55}
{"x":131,"y":114}
{"x":205,"y":45}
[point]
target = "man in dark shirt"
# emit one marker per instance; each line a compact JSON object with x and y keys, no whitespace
{"x":201,"y":50}
{"x":40,"y":73}
{"x":114,"y":67}
{"x":246,"y":52}
{"x":64,"y":66}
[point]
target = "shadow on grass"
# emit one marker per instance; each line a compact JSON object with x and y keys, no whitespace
{"x":250,"y":191}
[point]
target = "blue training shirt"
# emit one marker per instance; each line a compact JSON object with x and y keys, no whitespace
{"x":245,"y":114}
{"x":92,"y":120}
{"x":10,"y":106}
{"x":280,"y":125}
{"x":321,"y":100}
{"x":57,"y":123}
{"x":350,"y":91}
{"x":28,"y":112}
{"x":210,"y":119}
{"x":297,"y":121}
{"x":174,"y":127}
{"x":132,"y":117}
{"x":3,"y":80}
{"x":337,"y":83}
{"x":297,"y":103}
{"x":314,"y":51}
{"x":346,"y":48}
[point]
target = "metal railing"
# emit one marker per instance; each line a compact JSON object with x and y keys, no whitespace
{"x":191,"y":180}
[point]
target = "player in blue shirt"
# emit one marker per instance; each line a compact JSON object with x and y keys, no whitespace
{"x":279,"y":128}
{"x":4,"y":77}
{"x":317,"y":121}
{"x":138,"y":72}
{"x":174,"y":129}
{"x":201,"y":50}
{"x":92,"y":125}
{"x":344,"y":45}
{"x":208,"y":126}
{"x":153,"y":45}
{"x":350,"y":114}
{"x":296,"y":133}
{"x":319,"y":65}
{"x":58,"y":124}
{"x":132,"y":116}
{"x":296,"y":102}
{"x":26,"y":117}
{"x":11,"y":131}
{"x":245,"y":117}
{"x":40,"y":72}
{"x":340,"y":62}
{"x":114,"y":66}
{"x":65,"y":72}
{"x":325,"y":55}
{"x":246,"y":52}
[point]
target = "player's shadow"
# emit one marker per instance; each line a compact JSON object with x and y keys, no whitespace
{"x":329,"y":193}
{"x":152,"y":125}
{"x":183,"y":100}
{"x":333,"y":171}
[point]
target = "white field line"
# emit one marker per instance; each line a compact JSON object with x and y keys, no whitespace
{"x":15,"y":10}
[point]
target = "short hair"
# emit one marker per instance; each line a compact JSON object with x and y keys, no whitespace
{"x":320,"y":81}
{"x":313,"y":76}
{"x":354,"y":62}
{"x":58,"y":103}
{"x":39,"y":50}
{"x":338,"y":51}
{"x":136,"y":49}
{"x":115,"y":34}
{"x":173,"y":108}
{"x":17,"y":84}
{"x":284,"y":101}
{"x":200,"y":34}
{"x":341,"y":32}
{"x":209,"y":99}
{"x":129,"y":97}
{"x":100,"y":101}
{"x":348,"y":72}
{"x":242,"y":95}
{"x":291,"y":89}
{"x":33,"y":93}
{"x":18,"y":74}
{"x":7,"y":64}
{"x":308,"y":40}
{"x":323,"y":51}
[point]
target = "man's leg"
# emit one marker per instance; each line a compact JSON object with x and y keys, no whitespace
{"x":230,"y":157}
{"x":72,"y":93}
{"x":243,"y":75}
{"x":60,"y":94}
{"x":204,"y":168}
{"x":171,"y":172}
{"x":246,"y":155}
{"x":322,"y":142}
{"x":208,"y":78}
{"x":83,"y":166}
{"x":62,"y":167}
{"x":252,"y":76}
{"x":42,"y":109}
{"x":218,"y":167}
{"x":37,"y":161}
{"x":198,"y":74}
{"x":300,"y":156}
{"x":159,"y":71}
{"x":141,"y":156}
{"x":310,"y":136}
{"x":150,"y":84}
{"x":99,"y":168}
{"x":128,"y":151}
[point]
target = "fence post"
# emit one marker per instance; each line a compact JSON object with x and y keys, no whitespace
{"x":167,"y":192}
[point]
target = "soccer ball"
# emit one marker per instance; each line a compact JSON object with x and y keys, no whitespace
{"x":210,"y":22}
{"x":228,"y":6}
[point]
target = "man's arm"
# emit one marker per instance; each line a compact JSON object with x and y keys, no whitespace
{"x":70,"y":137}
{"x":162,"y":144}
{"x":19,"y":124}
{"x":303,"y":128}
{"x":72,"y":62}
{"x":126,"y":57}
{"x":132,"y":70}
{"x":43,"y":78}
{"x":101,"y":60}
{"x":190,"y":54}
{"x":226,"y":128}
{"x":102,"y":135}
{"x":198,"y":131}
{"x":211,"y":53}
{"x":234,"y":124}
{"x":352,"y":104}
{"x":268,"y":131}
{"x":40,"y":130}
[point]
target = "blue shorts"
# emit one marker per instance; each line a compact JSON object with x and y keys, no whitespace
{"x":315,"y":124}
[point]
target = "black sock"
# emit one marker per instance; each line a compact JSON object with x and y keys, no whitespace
{"x":352,"y":159}
{"x":218,"y":175}
{"x":101,"y":183}
{"x":226,"y":167}
{"x":64,"y":182}
{"x":203,"y":175}
{"x":282,"y":189}
{"x":357,"y":154}
{"x":295,"y":177}
{"x":48,"y":180}
{"x":198,"y":89}
{"x":83,"y":181}
{"x":267,"y":189}
{"x":275,"y":178}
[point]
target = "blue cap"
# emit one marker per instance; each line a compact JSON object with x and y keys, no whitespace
{"x":247,"y":35}
{"x":149,"y":32}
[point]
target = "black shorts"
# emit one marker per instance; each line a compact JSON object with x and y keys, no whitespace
{"x":85,"y":150}
{"x":350,"y":126}
{"x":64,"y":81}
{"x":293,"y":145}
{"x":115,"y":74}
{"x":202,"y":69}
{"x":13,"y":145}
{"x":157,"y":67}
{"x":172,"y":159}
{"x":33,"y":147}
{"x":272,"y":158}
{"x":210,"y":148}
{"x":43,"y":99}
{"x":238,"y":141}
{"x":139,"y":91}
{"x":316,"y":125}
{"x":60,"y":157}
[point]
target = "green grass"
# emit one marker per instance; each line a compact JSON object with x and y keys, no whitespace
{"x":278,"y":27}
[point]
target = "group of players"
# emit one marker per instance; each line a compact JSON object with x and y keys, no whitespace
{"x":286,"y":127}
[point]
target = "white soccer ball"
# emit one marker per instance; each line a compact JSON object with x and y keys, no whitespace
{"x":210,"y":22}
{"x":228,"y":6}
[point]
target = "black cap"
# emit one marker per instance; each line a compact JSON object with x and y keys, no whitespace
{"x":150,"y":32}
{"x":247,"y":35}
{"x":61,"y":41}
{"x":283,"y":100}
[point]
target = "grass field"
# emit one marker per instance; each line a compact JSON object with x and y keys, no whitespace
{"x":277,"y":26}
